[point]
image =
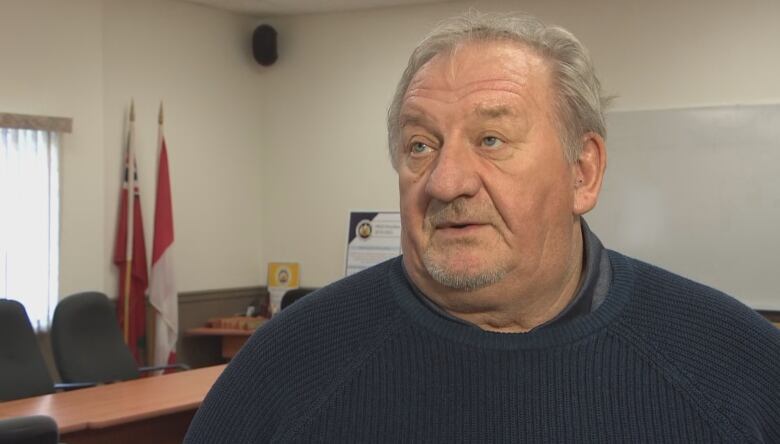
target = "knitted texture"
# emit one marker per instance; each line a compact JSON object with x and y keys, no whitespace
{"x":663,"y":360}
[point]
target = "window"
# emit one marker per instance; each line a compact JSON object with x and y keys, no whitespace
{"x":29,"y":219}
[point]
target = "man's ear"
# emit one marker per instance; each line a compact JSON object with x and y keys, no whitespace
{"x":589,"y":172}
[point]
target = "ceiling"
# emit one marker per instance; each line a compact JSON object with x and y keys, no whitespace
{"x":290,"y":7}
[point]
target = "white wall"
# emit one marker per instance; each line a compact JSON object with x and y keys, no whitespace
{"x":266,"y":162}
{"x":86,"y":59}
{"x":199,"y":61}
{"x":51,"y":64}
{"x":326,"y":98}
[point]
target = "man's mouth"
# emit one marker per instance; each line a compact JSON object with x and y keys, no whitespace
{"x":458,"y":226}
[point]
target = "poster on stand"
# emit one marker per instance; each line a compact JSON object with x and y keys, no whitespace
{"x":282,"y":276}
{"x":373,"y":237}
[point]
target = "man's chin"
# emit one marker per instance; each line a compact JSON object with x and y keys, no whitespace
{"x":463,"y":275}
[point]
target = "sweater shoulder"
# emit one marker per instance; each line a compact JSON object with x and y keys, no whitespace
{"x":663,"y":298}
{"x":295,"y":360}
{"x":354,"y":303}
{"x":708,"y":343}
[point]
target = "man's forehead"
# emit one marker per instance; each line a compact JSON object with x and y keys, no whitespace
{"x":494,"y":110}
{"x":470,"y":63}
{"x":499,"y":73}
{"x":415,"y":114}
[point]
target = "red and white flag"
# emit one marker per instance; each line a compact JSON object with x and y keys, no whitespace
{"x":162,"y":293}
{"x":130,"y":256}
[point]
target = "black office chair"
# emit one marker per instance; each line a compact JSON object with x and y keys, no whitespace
{"x":23,"y":371}
{"x":293,"y":295}
{"x":87,"y":342}
{"x":29,"y":430}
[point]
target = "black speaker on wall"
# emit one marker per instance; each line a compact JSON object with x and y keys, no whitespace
{"x":264,"y":45}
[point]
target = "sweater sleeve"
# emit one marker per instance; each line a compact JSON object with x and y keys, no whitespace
{"x":713,"y":347}
{"x":248,"y":400}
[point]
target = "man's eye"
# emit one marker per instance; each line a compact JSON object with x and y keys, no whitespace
{"x":419,"y":148}
{"x":492,"y":142}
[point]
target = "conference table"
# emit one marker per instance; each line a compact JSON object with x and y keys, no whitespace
{"x":154,"y":409}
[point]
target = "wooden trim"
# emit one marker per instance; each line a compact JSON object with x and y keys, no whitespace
{"x":188,"y":297}
{"x":208,"y":331}
{"x":772,"y":315}
{"x":40,"y":123}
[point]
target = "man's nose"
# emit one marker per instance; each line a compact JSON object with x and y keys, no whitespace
{"x":454,"y":173}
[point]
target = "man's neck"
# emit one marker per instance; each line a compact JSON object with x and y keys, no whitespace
{"x":515,"y":304}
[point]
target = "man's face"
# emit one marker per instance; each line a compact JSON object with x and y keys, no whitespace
{"x":486,"y":192}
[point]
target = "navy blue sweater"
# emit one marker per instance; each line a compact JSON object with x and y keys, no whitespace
{"x":663,"y":359}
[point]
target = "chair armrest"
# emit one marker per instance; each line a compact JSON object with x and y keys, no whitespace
{"x":73,"y":385}
{"x":163,"y":367}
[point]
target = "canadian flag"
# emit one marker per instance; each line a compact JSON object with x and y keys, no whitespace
{"x":130,"y":255}
{"x":162,"y":288}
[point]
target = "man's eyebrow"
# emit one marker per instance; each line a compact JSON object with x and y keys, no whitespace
{"x":494,"y":112}
{"x":414,"y":119}
{"x":420,"y":120}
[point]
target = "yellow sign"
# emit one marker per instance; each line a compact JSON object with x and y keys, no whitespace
{"x":283,"y":274}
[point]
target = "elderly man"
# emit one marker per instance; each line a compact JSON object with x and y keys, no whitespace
{"x":505,"y":320}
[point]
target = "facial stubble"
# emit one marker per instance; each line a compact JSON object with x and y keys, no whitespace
{"x":437,"y":257}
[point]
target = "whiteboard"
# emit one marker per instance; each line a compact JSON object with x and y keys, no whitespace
{"x":697,"y":191}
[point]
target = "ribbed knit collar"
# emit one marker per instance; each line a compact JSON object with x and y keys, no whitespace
{"x":556,"y":334}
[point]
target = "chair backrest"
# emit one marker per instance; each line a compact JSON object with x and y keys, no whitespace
{"x":28,"y":430}
{"x":87,"y":342}
{"x":23,"y":372}
{"x":293,"y":295}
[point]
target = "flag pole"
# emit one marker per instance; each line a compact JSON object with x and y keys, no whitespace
{"x":130,"y":206}
{"x":162,"y":295}
{"x":152,"y":345}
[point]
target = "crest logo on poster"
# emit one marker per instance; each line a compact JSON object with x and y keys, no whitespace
{"x":364,"y":229}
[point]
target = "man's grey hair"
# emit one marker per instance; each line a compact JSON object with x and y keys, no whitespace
{"x":579,"y":104}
